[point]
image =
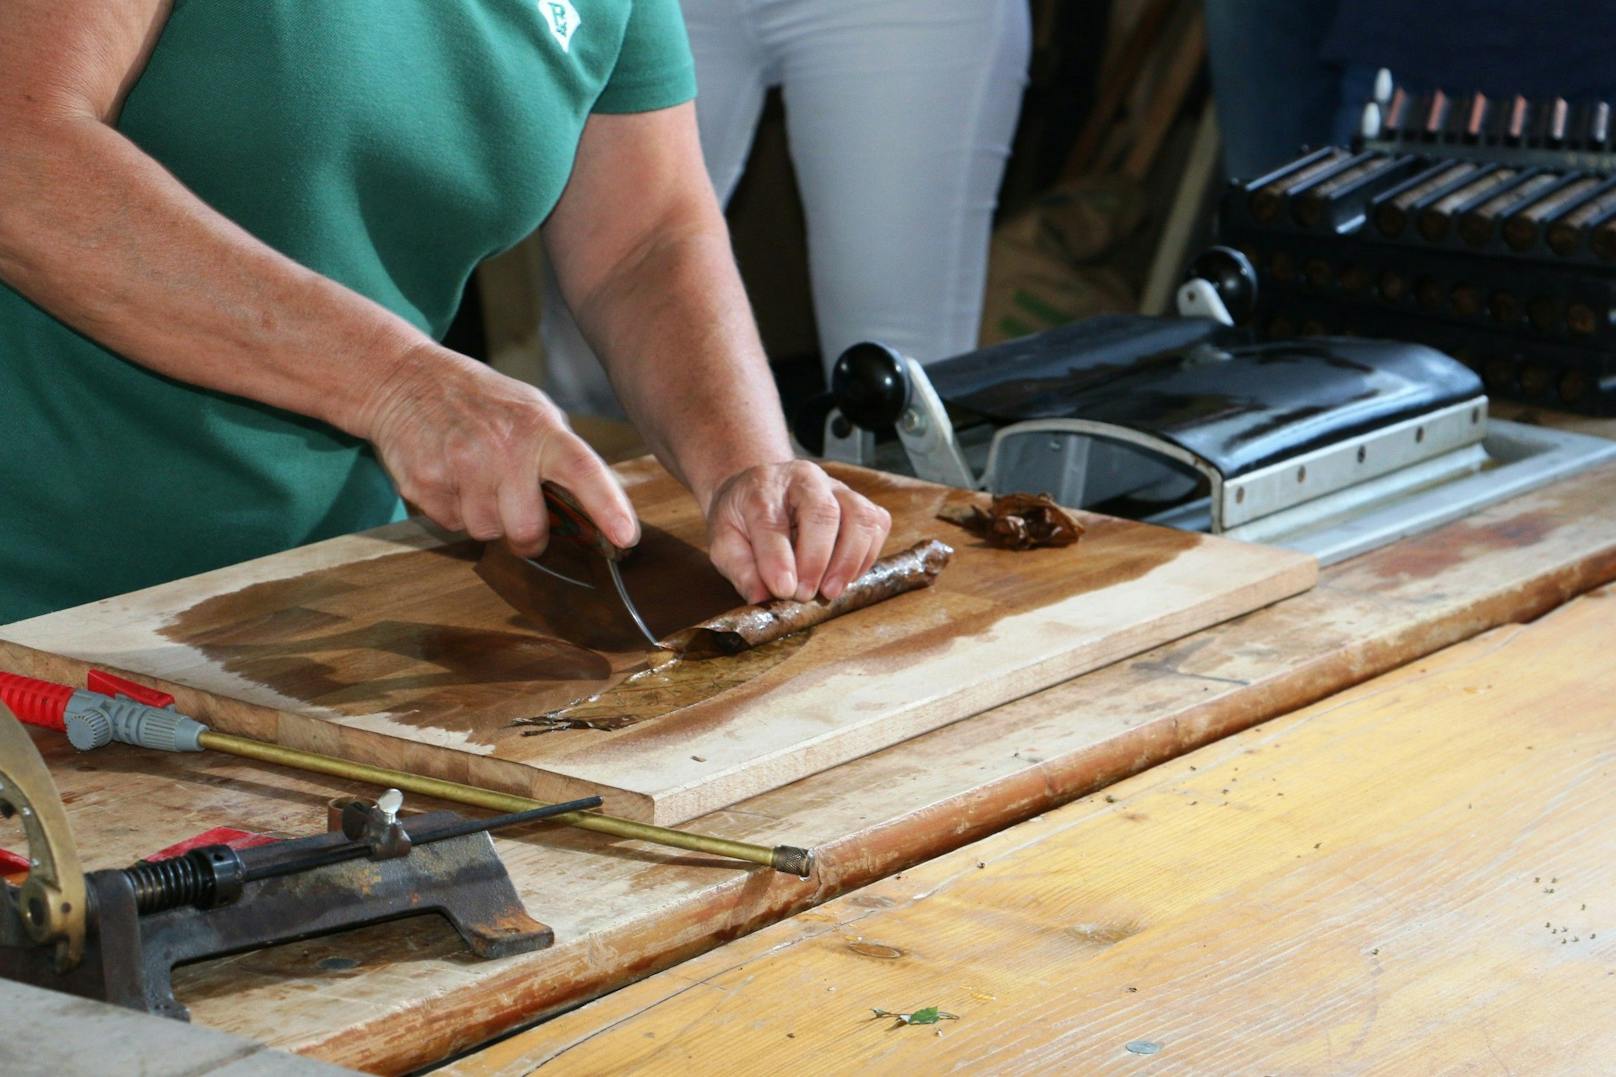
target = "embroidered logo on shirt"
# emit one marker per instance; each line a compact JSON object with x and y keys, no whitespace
{"x":562,"y":19}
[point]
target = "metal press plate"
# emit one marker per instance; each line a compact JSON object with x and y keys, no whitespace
{"x":1520,"y":458}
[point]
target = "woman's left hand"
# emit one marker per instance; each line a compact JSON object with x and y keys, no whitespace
{"x":791,"y":531}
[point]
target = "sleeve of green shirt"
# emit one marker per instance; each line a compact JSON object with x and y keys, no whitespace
{"x":654,"y":69}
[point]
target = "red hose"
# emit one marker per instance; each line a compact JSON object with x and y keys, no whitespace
{"x":34,"y":701}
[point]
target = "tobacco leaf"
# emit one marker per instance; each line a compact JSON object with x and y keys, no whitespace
{"x":668,"y":684}
{"x":752,"y":626}
{"x":1017,"y":522}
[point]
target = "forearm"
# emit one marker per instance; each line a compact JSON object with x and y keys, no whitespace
{"x":101,"y":236}
{"x":655,"y":289}
{"x":673,"y":325}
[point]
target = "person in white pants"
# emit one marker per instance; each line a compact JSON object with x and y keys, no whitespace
{"x":899,"y":115}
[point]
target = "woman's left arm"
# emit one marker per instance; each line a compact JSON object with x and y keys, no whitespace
{"x":642,"y":254}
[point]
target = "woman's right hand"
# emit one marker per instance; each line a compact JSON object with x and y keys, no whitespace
{"x":469,"y":447}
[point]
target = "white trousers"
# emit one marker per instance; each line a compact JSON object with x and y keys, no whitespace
{"x":899,"y":116}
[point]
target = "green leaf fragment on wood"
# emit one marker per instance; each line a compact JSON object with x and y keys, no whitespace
{"x":928,"y":1016}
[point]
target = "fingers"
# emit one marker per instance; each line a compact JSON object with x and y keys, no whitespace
{"x":567,"y":460}
{"x":817,"y":514}
{"x":791,"y":531}
{"x":731,"y":554}
{"x":522,"y":516}
{"x":769,"y":533}
{"x":479,"y":504}
{"x":749,"y":534}
{"x":469,"y":447}
{"x":863,"y":530}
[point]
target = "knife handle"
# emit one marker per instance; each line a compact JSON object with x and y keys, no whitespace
{"x":569,"y":520}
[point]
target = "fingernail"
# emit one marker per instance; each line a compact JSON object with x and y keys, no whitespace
{"x":804,"y":592}
{"x":627,"y":534}
{"x":785,"y":583}
{"x":831,"y":587}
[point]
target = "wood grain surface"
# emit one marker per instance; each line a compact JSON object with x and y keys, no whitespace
{"x":388,"y":647}
{"x":397,"y":997}
{"x":1417,"y":875}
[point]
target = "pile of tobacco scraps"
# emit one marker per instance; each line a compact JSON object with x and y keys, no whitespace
{"x":1017,"y":522}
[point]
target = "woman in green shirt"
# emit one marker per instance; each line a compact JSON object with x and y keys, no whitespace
{"x":232,"y":233}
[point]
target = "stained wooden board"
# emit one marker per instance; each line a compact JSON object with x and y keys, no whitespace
{"x":398,"y":997}
{"x":1418,"y":875}
{"x":388,"y":648}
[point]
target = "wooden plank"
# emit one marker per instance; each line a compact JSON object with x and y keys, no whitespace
{"x":48,"y":1033}
{"x":1416,"y":874}
{"x":401,"y":996}
{"x":387,"y":647}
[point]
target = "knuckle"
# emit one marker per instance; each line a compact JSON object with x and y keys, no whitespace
{"x":565,"y":454}
{"x":460,"y":457}
{"x":770,"y":514}
{"x":525,"y":532}
{"x":826,"y":512}
{"x":429,"y":477}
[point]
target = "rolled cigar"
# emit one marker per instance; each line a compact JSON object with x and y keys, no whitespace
{"x":1266,"y":201}
{"x":1565,"y":234}
{"x":1391,"y":216}
{"x":1311,"y":208}
{"x":1437,"y":218}
{"x":1479,"y":225}
{"x":1523,"y":228}
{"x":752,"y":626}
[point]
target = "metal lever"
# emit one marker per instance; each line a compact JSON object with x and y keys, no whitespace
{"x":53,"y":902}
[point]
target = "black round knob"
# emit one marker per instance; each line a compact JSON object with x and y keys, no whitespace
{"x":1232,"y":275}
{"x":870,"y":384}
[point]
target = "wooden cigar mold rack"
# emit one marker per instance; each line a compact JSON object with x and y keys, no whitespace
{"x":1482,"y":227}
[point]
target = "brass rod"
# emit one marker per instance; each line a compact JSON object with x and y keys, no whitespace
{"x":784,"y":858}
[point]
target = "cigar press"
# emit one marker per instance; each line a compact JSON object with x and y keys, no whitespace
{"x":1329,"y":445}
{"x":117,"y":934}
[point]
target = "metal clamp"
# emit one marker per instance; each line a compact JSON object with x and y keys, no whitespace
{"x":52,"y":905}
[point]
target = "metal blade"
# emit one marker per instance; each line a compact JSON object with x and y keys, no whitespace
{"x":563,"y":576}
{"x":628,"y":604}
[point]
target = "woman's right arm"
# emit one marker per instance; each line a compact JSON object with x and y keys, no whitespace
{"x":103,"y":237}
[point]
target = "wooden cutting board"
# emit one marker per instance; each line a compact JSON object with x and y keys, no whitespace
{"x":388,"y":647}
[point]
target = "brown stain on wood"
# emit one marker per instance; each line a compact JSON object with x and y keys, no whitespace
{"x":659,"y":690}
{"x":964,"y":603}
{"x":412,"y":635}
{"x":670,"y":579}
{"x":451,"y":656}
{"x":884,"y":824}
{"x":400,"y":635}
{"x":1430,"y":555}
{"x":1321,"y":897}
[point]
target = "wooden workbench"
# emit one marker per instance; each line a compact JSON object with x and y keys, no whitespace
{"x":402,"y":996}
{"x":1413,"y":875}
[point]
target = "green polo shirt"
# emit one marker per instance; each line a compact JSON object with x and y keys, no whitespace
{"x":391,"y":145}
